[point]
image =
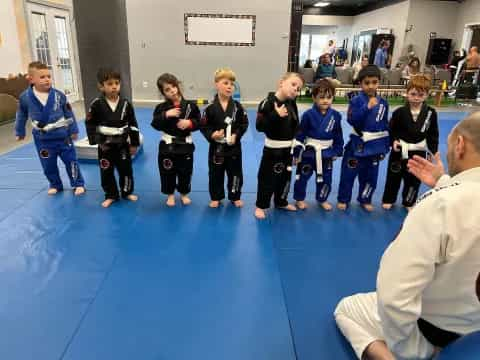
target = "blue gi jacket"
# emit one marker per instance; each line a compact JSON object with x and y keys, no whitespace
{"x":315,"y":125}
{"x":56,"y":108}
{"x":364,"y":121}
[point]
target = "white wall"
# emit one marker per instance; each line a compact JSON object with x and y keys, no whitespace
{"x":468,"y":13}
{"x":420,"y":16}
{"x":393,"y":17}
{"x":10,"y":56}
{"x":157,"y":45}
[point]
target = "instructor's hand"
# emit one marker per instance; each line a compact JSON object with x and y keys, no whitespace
{"x":427,"y":171}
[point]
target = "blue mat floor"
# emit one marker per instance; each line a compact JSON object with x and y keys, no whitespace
{"x":142,"y":281}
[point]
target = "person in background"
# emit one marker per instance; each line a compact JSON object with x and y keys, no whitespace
{"x":325,"y":68}
{"x":359,"y":66}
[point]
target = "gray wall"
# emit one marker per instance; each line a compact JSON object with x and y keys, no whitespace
{"x":157,"y":44}
{"x":102,"y":37}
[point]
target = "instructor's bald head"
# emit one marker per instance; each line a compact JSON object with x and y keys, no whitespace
{"x":464,"y":145}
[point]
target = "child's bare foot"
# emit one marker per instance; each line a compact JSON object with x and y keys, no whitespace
{"x":326,"y":206}
{"x":80,"y":190}
{"x":170,"y":200}
{"x":185,"y":200}
{"x":52,"y":191}
{"x":368,"y":207}
{"x":260,"y":214}
{"x":289,"y":207}
{"x":342,"y":206}
{"x":302,"y":205}
{"x":107,"y":202}
{"x":214,"y":204}
{"x":132,"y":197}
{"x":238,"y":203}
{"x":386,"y":206}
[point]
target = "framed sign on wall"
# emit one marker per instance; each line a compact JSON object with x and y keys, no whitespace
{"x":220,"y":29}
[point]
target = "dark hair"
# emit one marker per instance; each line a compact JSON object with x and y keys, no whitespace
{"x":105,"y":74}
{"x":324,"y":88}
{"x":414,"y":59}
{"x":165,"y":79}
{"x":308,"y":64}
{"x":369,"y":71}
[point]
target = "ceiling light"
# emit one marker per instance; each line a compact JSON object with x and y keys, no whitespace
{"x":321,"y":4}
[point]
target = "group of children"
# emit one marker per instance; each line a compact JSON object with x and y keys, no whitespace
{"x":310,"y":145}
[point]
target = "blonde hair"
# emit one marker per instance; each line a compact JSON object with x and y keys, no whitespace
{"x":288,"y":75}
{"x":224,"y":73}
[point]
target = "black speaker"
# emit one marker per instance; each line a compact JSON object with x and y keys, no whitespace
{"x":438,"y":51}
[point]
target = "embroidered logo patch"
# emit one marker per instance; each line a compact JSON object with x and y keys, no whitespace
{"x":352,"y":163}
{"x":396,"y":167}
{"x":167,"y":164}
{"x":279,"y":168}
{"x":44,"y":153}
{"x":104,"y":164}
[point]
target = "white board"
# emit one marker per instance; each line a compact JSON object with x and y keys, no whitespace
{"x":221,"y":30}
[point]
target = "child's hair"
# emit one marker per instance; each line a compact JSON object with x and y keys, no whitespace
{"x":369,"y":71}
{"x":36,"y":65}
{"x":170,"y":79}
{"x":224,"y":73}
{"x":323,"y":88}
{"x":105,"y":74}
{"x":419,"y":82}
{"x":288,"y":75}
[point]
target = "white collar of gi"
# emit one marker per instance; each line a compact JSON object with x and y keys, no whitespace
{"x":472,"y":174}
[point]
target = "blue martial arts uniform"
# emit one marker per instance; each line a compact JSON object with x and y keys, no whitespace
{"x":53,"y":125}
{"x":319,"y":140}
{"x":369,"y":143}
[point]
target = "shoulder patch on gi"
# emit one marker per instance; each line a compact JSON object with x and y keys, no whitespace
{"x":436,"y":190}
{"x":44,"y":153}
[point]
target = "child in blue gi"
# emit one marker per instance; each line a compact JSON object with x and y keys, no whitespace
{"x":318,"y":143}
{"x":369,"y":141}
{"x":54,"y":128}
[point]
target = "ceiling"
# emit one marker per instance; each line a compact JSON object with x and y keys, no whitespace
{"x":348,"y":7}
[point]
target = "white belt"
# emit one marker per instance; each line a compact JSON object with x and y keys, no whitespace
{"x":278,"y":144}
{"x":62,"y":122}
{"x":111,"y":131}
{"x":370,"y":136}
{"x":319,"y":146}
{"x":406,"y":147}
{"x":221,"y":141}
{"x":170,"y":139}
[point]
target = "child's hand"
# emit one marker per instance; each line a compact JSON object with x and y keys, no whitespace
{"x":233,"y":139}
{"x":219,"y":134}
{"x":133,"y":150}
{"x":74,"y":136}
{"x":397,"y":146}
{"x":281,"y":110}
{"x":173,"y":113}
{"x":19,"y":138}
{"x":372,"y":102}
{"x":183,"y":124}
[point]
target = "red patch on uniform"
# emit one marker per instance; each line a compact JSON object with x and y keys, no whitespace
{"x":44,"y":153}
{"x":167,"y":164}
{"x":204,"y":119}
{"x":104,"y":164}
{"x":352,"y":163}
{"x":89,"y":116}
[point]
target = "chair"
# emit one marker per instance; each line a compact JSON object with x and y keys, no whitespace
{"x":465,"y":348}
